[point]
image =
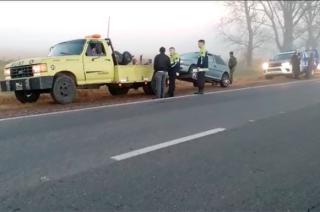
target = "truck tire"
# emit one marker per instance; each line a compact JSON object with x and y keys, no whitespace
{"x":225,"y":80}
{"x":64,"y":89}
{"x":119,"y":57}
{"x":148,"y":90}
{"x":309,"y":74}
{"x":27,"y":96}
{"x":116,"y":91}
{"x":126,"y":58}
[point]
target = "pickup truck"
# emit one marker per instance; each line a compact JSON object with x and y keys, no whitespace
{"x":83,"y":63}
{"x":280,"y":64}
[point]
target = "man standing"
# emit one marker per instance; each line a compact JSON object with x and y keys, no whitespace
{"x":311,"y":65}
{"x":295,"y":62}
{"x":161,"y":67}
{"x":174,"y":68}
{"x":202,"y":66}
{"x":232,"y":65}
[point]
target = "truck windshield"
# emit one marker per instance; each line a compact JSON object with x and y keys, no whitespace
{"x":285,"y":56}
{"x":74,"y":47}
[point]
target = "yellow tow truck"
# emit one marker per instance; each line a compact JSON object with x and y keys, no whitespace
{"x":83,"y":63}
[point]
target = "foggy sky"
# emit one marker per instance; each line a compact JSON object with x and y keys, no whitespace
{"x":31,"y":28}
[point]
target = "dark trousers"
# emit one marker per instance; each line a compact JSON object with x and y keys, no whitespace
{"x":160,"y":83}
{"x":172,"y":83}
{"x":200,"y":80}
{"x":231,"y":74}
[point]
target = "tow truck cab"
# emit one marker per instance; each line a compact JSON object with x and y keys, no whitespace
{"x":81,"y":63}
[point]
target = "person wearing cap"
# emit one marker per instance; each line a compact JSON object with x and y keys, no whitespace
{"x":161,"y":67}
{"x":174,"y":68}
{"x":295,"y":62}
{"x":202,"y":66}
{"x":232,"y":65}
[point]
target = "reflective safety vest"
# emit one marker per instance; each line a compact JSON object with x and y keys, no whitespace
{"x":203,"y":60}
{"x":175,"y":60}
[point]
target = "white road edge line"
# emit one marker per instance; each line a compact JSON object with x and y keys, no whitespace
{"x":145,"y":150}
{"x":150,"y":100}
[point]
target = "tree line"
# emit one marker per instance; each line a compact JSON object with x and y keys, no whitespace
{"x":287,"y":25}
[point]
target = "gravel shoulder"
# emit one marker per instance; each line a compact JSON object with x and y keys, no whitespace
{"x":9,"y":107}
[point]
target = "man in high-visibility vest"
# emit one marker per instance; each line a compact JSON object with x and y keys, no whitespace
{"x":174,"y":68}
{"x":202,"y":66}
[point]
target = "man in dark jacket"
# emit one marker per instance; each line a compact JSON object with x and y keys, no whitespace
{"x":232,"y":65}
{"x":202,"y":66}
{"x":161,"y":67}
{"x":295,"y":62}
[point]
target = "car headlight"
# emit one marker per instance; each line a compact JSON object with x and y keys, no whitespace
{"x":40,"y":68}
{"x":318,"y":66}
{"x":265,"y":66}
{"x":286,"y":65}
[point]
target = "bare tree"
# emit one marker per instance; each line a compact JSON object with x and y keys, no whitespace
{"x":284,"y":18}
{"x":243,"y":27}
{"x":311,"y":21}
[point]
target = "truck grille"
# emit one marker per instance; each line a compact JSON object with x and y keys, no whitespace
{"x":274,"y":65}
{"x":21,"y":71}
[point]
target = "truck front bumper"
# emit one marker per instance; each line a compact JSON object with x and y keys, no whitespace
{"x":35,"y":83}
{"x":278,"y":71}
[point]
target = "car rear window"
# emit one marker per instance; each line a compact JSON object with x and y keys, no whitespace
{"x":219,"y":60}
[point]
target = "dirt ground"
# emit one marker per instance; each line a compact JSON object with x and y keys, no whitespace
{"x":9,"y":107}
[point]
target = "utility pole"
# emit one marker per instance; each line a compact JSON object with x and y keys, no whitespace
{"x":108,"y":35}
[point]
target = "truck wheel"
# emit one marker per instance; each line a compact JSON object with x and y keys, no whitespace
{"x":148,"y":89}
{"x":119,"y":57}
{"x":64,"y":89}
{"x":309,"y":74}
{"x":27,"y":96}
{"x":116,"y":91}
{"x":126,"y":58}
{"x":225,"y":80}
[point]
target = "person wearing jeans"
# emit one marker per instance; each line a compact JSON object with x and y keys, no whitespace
{"x":161,"y":67}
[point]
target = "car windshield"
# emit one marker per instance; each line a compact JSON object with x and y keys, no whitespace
{"x":284,"y":56}
{"x":74,"y":47}
{"x":189,"y":56}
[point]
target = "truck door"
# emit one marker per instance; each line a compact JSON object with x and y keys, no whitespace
{"x":98,"y":64}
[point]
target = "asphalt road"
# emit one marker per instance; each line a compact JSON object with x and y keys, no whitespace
{"x":266,"y":159}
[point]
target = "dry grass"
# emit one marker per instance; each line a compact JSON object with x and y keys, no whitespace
{"x":95,"y":97}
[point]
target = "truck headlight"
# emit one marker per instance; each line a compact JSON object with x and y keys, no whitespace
{"x":265,"y":66}
{"x":7,"y":74}
{"x":40,"y":68}
{"x":286,"y":65}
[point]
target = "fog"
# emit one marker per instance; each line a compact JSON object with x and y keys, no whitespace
{"x":30,"y":28}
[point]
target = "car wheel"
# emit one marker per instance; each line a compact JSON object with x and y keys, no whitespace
{"x":195,"y":84}
{"x":27,"y":96}
{"x":64,"y":89}
{"x":225,"y":80}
